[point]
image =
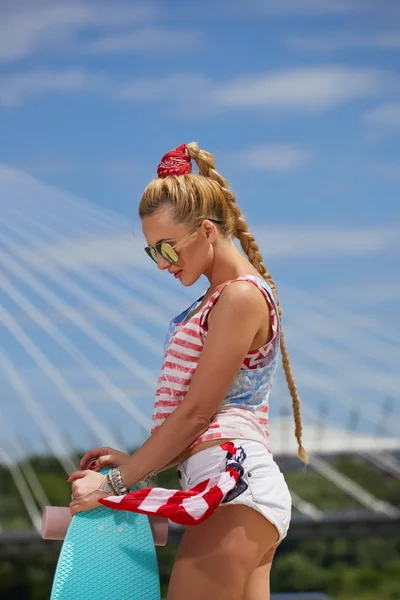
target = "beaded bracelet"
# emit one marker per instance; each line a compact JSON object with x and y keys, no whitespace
{"x":119,"y":488}
{"x":115,"y":480}
{"x":112,"y":483}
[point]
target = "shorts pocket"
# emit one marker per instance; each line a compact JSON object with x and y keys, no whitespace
{"x":268,"y":486}
{"x":201,"y":466}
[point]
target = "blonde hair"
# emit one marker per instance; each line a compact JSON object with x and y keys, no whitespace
{"x":206,"y":195}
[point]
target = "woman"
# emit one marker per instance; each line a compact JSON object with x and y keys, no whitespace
{"x":211,"y":409}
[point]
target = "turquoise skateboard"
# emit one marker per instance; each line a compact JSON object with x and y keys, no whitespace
{"x":107,"y":554}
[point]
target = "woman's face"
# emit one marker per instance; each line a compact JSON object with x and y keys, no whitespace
{"x":194,"y":248}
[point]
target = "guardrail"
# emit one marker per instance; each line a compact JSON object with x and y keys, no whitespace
{"x":350,"y":525}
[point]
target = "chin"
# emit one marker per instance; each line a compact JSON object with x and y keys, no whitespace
{"x":189,"y":280}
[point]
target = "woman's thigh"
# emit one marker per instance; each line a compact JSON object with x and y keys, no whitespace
{"x":217,"y":557}
{"x":258,"y":585}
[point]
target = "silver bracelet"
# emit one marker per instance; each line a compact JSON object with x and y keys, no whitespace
{"x":121,"y":486}
{"x":113,"y":484}
{"x":115,"y":480}
{"x":112,"y":477}
{"x":149,"y":481}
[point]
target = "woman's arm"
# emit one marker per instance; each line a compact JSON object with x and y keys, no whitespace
{"x":236,"y":318}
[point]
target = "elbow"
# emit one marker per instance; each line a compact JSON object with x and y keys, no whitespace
{"x":198,"y":423}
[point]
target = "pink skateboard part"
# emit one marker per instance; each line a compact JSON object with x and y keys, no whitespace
{"x":159,"y":529}
{"x":56,"y":520}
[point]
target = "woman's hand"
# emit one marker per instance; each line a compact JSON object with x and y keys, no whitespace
{"x":87,"y":489}
{"x":88,"y":484}
{"x":98,"y":458}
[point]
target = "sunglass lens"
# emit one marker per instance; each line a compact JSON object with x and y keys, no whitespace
{"x":167,"y":252}
{"x":151,"y":252}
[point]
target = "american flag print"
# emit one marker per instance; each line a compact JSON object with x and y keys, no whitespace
{"x":188,"y":507}
{"x":251,"y":388}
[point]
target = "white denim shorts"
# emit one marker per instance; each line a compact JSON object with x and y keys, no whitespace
{"x":262,"y":486}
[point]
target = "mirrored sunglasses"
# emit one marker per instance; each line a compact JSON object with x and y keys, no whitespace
{"x":167,"y":251}
{"x":163,"y":249}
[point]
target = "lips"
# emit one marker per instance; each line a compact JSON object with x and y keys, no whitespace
{"x":178,"y":274}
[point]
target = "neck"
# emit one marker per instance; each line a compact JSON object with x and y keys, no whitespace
{"x":227,"y":263}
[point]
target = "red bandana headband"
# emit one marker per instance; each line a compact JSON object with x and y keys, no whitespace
{"x":175,"y":162}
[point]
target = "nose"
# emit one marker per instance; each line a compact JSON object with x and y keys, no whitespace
{"x":162,"y":263}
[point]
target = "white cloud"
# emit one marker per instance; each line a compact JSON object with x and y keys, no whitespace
{"x":296,"y":242}
{"x":381,"y":291}
{"x":273,"y":157}
{"x":150,"y":40}
{"x":16,"y":90}
{"x":30,"y":26}
{"x":385,"y":40}
{"x":174,"y":89}
{"x":387,"y":114}
{"x":9,"y":174}
{"x":307,"y":89}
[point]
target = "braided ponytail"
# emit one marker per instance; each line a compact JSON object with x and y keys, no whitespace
{"x":206,"y":165}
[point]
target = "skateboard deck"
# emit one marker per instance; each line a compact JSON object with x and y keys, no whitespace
{"x":107,"y":554}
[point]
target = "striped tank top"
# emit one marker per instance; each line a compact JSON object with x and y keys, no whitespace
{"x":243,"y":413}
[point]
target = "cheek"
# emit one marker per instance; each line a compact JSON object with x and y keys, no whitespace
{"x":194,"y":263}
{"x":194,"y":258}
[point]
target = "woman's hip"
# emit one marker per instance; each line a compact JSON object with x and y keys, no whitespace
{"x":260,"y":483}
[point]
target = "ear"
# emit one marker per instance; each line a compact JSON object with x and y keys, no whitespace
{"x":210,"y":230}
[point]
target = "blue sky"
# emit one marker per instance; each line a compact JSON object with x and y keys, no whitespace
{"x":92,"y":96}
{"x":299,"y":100}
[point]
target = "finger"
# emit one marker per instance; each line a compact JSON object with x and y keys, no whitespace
{"x":87,"y":503}
{"x":79,"y":505}
{"x":76,"y":475}
{"x":105,"y":460}
{"x":92,"y":455}
{"x":95,"y":465}
{"x":76,"y":507}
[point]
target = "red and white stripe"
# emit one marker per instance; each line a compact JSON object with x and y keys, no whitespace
{"x":182,"y":357}
{"x":189,"y":507}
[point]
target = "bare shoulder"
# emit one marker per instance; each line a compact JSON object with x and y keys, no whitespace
{"x":241,"y":297}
